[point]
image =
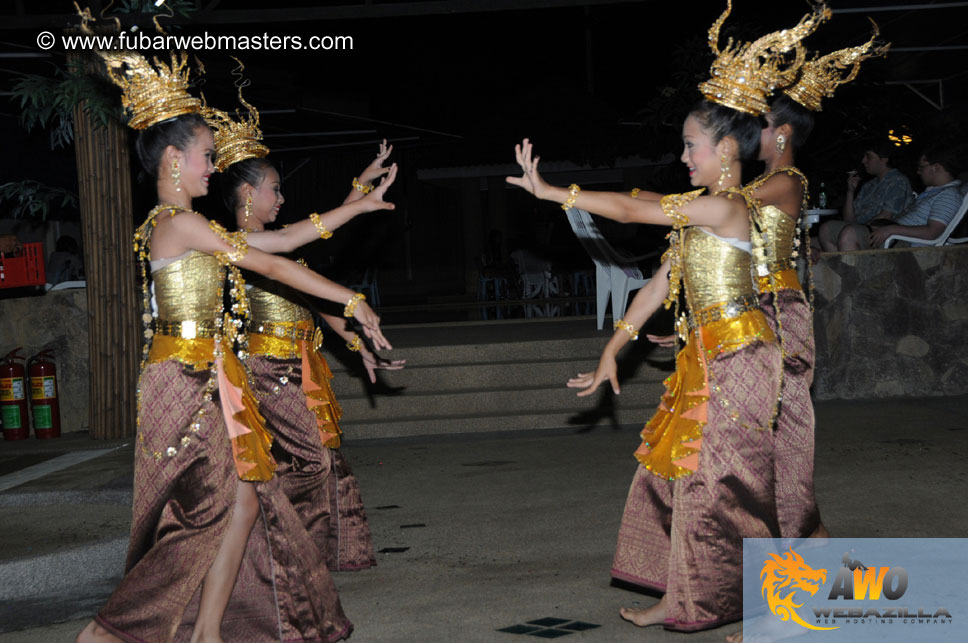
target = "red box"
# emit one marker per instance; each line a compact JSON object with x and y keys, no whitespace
{"x":25,"y":268}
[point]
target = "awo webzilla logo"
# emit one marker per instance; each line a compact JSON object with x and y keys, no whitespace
{"x":857,"y":594}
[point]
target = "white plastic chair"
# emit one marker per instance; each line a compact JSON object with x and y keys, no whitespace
{"x":945,"y":239}
{"x":537,"y":282}
{"x":369,"y":287}
{"x":616,"y":274}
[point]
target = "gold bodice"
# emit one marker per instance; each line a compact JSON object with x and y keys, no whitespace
{"x":189,"y":288}
{"x":714,"y":272}
{"x":774,"y":244}
{"x":272,"y":302}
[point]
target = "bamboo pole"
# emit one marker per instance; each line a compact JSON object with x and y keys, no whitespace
{"x":104,"y":186}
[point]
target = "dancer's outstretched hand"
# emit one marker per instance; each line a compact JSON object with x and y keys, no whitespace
{"x":375,"y":169}
{"x":371,"y":325}
{"x":665,"y":341}
{"x":373,"y":363}
{"x":374,"y":199}
{"x":589,"y":382}
{"x":530,"y":180}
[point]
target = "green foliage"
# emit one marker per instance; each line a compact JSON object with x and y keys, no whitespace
{"x":49,"y":102}
{"x":34,"y":200}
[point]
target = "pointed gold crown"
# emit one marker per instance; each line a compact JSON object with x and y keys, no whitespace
{"x":235,"y":140}
{"x":822,"y":75}
{"x":744,"y":75}
{"x":151,"y":94}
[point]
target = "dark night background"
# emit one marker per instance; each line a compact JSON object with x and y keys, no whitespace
{"x":600,"y":87}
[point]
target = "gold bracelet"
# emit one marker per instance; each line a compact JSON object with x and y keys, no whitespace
{"x":627,"y":327}
{"x":353,"y":303}
{"x":360,"y":187}
{"x":356,"y":344}
{"x":323,"y":232}
{"x":573,"y":191}
{"x":635,"y":193}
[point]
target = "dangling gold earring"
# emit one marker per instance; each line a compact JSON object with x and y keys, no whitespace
{"x":780,"y":143}
{"x":248,"y":209}
{"x":176,"y":175}
{"x":724,"y":171}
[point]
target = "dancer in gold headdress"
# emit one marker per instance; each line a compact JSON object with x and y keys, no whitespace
{"x":292,"y":378}
{"x":705,"y":479}
{"x":782,"y":191}
{"x":203,"y":468}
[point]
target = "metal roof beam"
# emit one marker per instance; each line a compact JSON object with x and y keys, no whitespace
{"x":901,"y":7}
{"x":210,"y":15}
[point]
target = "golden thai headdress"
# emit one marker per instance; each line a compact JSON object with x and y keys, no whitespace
{"x":151,"y":93}
{"x":822,"y":75}
{"x":744,"y":75}
{"x":235,"y":140}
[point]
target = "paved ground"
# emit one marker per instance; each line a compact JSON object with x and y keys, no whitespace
{"x":502,"y":530}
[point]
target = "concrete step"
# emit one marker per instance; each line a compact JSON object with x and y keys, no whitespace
{"x":552,"y":373}
{"x":498,"y":376}
{"x":498,"y":351}
{"x":495,"y":422}
{"x":513,"y":401}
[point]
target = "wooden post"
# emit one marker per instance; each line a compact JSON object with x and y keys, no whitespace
{"x":113,"y":290}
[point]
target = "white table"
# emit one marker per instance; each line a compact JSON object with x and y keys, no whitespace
{"x":813,"y":215}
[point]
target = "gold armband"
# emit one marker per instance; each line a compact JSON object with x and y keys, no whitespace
{"x":573,"y":191}
{"x":351,"y":305}
{"x":635,"y":193}
{"x":627,"y":327}
{"x":360,"y":187}
{"x":356,"y":344}
{"x":323,"y":232}
{"x":671,"y":203}
{"x":235,"y":239}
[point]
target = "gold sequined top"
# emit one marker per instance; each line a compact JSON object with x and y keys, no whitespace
{"x":714,"y":271}
{"x":773,"y":246}
{"x":189,"y":288}
{"x":272,"y":302}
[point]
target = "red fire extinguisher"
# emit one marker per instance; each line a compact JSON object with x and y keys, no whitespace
{"x":13,"y":397}
{"x":43,"y":395}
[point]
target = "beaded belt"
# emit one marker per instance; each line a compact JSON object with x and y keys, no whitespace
{"x":727,"y":310}
{"x":764,"y":269}
{"x":294,"y":331}
{"x":186,"y":329}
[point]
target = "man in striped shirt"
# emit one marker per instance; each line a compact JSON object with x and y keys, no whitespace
{"x":929,"y":214}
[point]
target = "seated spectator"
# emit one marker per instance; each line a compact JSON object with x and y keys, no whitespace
{"x":65,"y":263}
{"x":884,"y":196}
{"x":929,"y":214}
{"x":934,"y":208}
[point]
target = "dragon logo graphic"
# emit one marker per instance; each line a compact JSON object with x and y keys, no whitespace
{"x":782,"y":577}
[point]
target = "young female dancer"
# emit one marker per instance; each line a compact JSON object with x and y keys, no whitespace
{"x":706,"y":474}
{"x":706,"y":478}
{"x":203,"y":470}
{"x":292,"y":378}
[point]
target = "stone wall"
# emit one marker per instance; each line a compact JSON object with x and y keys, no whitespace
{"x":56,"y":320}
{"x":892,"y":323}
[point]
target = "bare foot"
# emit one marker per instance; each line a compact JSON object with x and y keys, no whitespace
{"x":94,"y":633}
{"x":820,"y":532}
{"x":644,"y":617}
{"x":735,"y":637}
